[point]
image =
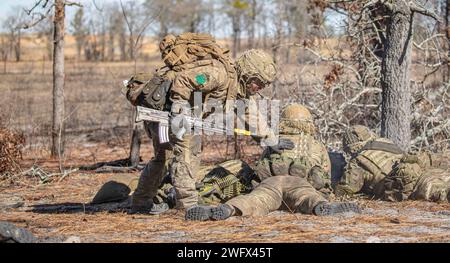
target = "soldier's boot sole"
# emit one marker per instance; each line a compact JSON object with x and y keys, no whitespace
{"x":328,"y":209}
{"x":199,"y":213}
{"x":221,"y":212}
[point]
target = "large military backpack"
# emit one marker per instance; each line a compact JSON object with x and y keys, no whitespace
{"x":191,"y":47}
{"x":190,"y":50}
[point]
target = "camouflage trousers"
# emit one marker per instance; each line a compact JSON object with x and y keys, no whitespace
{"x":184,"y":168}
{"x":290,"y":193}
{"x":181,"y":157}
{"x":155,"y":170}
{"x":433,"y":186}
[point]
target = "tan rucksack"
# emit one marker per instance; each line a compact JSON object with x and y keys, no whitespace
{"x":190,"y":50}
{"x":191,"y":47}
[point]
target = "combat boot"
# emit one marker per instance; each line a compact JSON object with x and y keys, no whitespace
{"x":155,"y":209}
{"x":222,"y":212}
{"x":327,"y":209}
{"x":203,"y":213}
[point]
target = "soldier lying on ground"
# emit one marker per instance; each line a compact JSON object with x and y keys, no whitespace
{"x":370,"y":159}
{"x":290,"y":179}
{"x":284,"y":192}
{"x":421,"y":176}
{"x":378,"y":168}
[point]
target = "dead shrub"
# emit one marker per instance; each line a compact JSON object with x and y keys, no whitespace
{"x":10,"y":152}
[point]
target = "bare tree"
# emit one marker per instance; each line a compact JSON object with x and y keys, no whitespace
{"x":235,"y":10}
{"x":116,"y":32}
{"x":446,"y":6}
{"x":4,"y":51}
{"x":45,"y":30}
{"x":395,"y":72}
{"x":58,"y":118}
{"x":163,"y":11}
{"x":58,"y":126}
{"x":79,"y":30}
{"x":137,"y":24}
{"x":13,"y":24}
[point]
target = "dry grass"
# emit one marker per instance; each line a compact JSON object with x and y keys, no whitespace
{"x":410,"y":221}
{"x":98,"y":120}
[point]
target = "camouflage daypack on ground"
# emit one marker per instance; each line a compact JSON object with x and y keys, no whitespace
{"x":225,"y":181}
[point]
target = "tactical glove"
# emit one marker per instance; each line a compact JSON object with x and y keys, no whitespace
{"x":283,"y":144}
{"x":178,"y":122}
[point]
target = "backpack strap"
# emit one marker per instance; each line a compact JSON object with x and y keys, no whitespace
{"x":382,"y":146}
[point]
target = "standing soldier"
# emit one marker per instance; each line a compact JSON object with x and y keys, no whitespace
{"x":200,"y":65}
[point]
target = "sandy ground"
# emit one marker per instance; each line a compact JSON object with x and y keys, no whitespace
{"x":40,"y":211}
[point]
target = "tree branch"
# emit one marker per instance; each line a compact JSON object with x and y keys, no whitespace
{"x":416,"y":7}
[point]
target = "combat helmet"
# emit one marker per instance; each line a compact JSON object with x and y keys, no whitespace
{"x":356,"y":137}
{"x":256,"y":63}
{"x":296,"y":119}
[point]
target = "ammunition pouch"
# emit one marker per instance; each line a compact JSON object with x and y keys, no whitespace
{"x":155,"y":94}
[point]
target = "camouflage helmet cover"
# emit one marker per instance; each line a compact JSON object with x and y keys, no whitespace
{"x":256,"y":63}
{"x":356,"y":137}
{"x":296,"y":119}
{"x":296,"y":112}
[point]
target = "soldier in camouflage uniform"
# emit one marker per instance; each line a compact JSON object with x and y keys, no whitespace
{"x":371,"y":159}
{"x":419,"y":176}
{"x":154,"y":172}
{"x":378,"y":168}
{"x":217,"y":79}
{"x":308,"y":159}
{"x":290,"y":178}
{"x":255,"y":69}
{"x":281,"y":192}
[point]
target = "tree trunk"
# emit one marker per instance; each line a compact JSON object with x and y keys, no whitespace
{"x":58,"y":81}
{"x":17,"y":47}
{"x":135,"y":146}
{"x":111,"y":46}
{"x":131,"y":46}
{"x":395,"y":77}
{"x":447,"y":32}
{"x":122,"y":45}
{"x":252,"y":26}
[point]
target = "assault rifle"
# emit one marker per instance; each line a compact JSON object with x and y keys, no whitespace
{"x":163,"y":117}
